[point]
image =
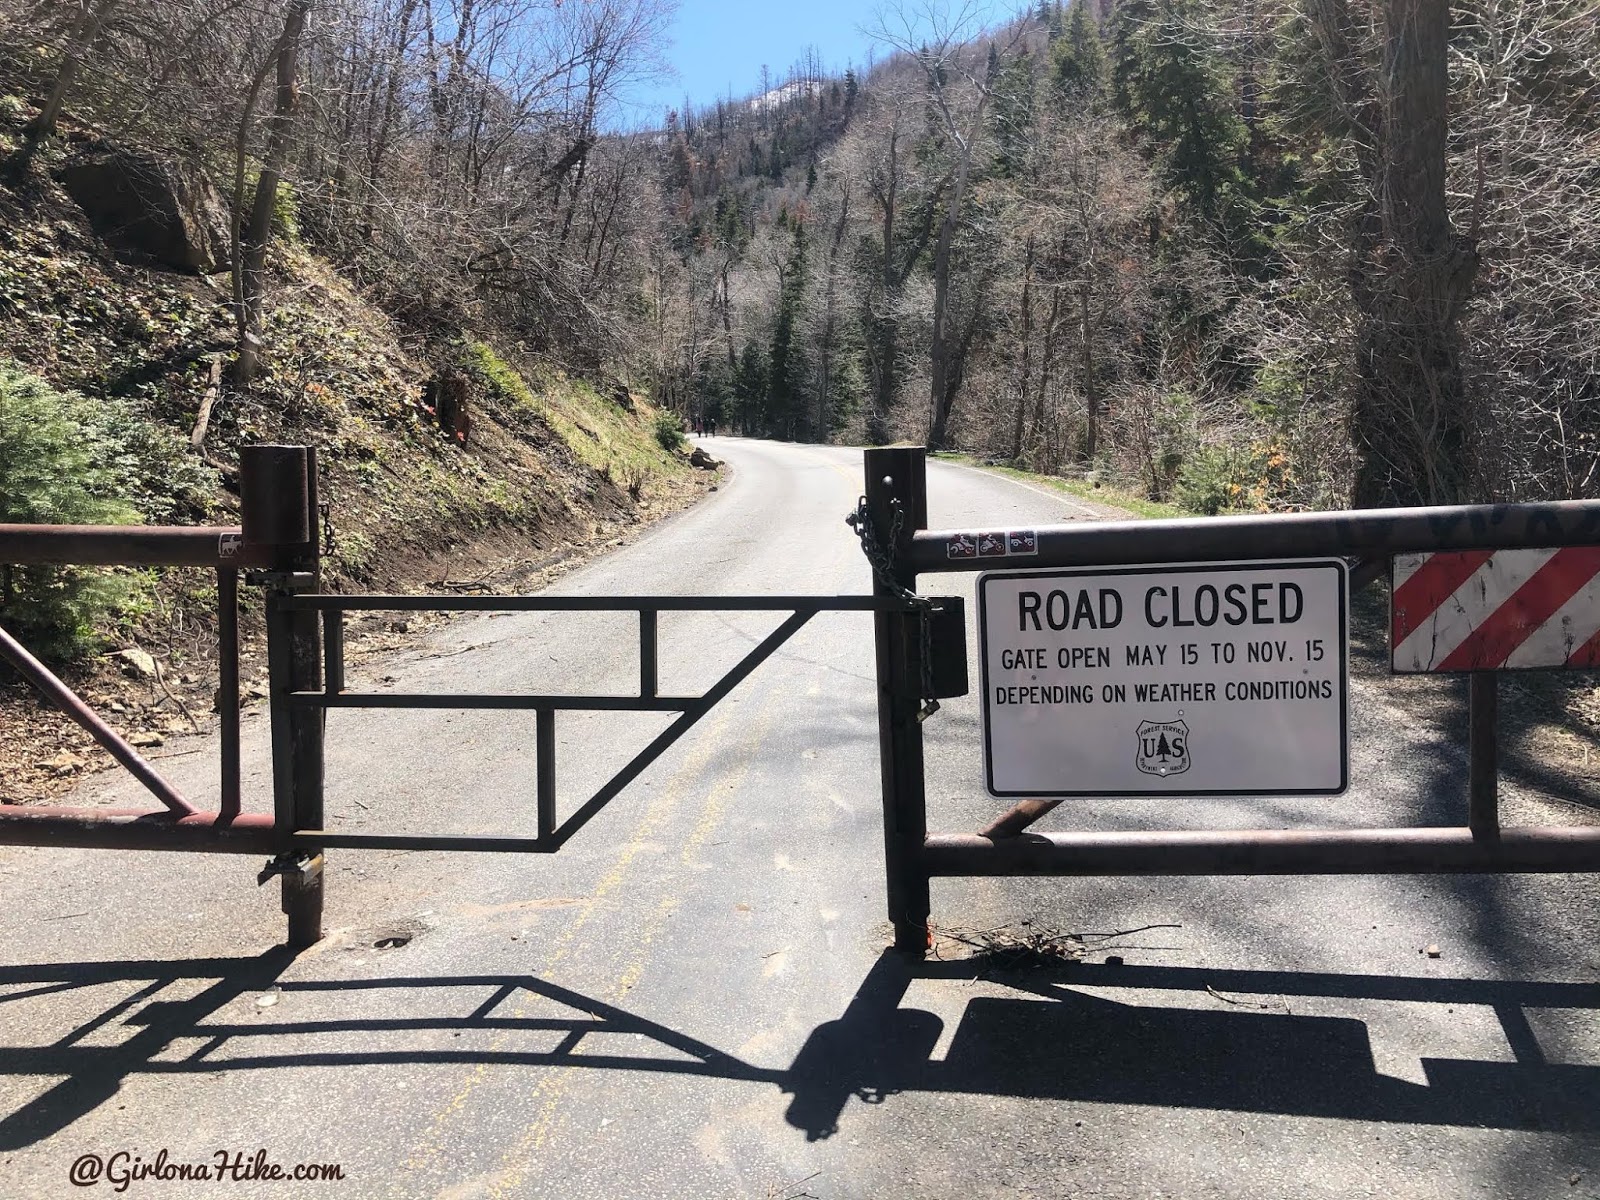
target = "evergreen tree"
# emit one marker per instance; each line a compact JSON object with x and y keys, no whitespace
{"x":1182,"y":98}
{"x":784,"y":404}
{"x":1128,"y":22}
{"x":1012,"y":116}
{"x":750,"y":386}
{"x":1079,"y":59}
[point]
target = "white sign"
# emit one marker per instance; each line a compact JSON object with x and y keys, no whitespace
{"x":1210,"y":679}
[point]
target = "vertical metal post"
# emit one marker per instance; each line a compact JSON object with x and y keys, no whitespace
{"x":278,"y":494}
{"x":333,"y":651}
{"x":896,"y":483}
{"x":228,"y":687}
{"x":648,"y":659}
{"x":544,"y":752}
{"x":1483,"y":779}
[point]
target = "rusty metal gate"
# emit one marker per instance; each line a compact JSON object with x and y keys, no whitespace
{"x":896,"y":506}
{"x":921,"y":658}
{"x":276,"y":544}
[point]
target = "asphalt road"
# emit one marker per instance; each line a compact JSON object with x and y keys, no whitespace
{"x":693,"y":998}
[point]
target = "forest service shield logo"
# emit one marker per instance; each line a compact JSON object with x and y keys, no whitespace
{"x":1163,"y":748}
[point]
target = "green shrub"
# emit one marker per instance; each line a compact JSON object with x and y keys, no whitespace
{"x":669,"y":430}
{"x":506,"y":391}
{"x":1208,"y":480}
{"x":69,"y":460}
{"x":1235,"y":477}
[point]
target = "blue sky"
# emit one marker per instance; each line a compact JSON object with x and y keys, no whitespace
{"x":720,"y":43}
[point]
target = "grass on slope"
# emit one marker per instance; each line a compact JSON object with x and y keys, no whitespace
{"x":1095,"y":493}
{"x":611,"y":438}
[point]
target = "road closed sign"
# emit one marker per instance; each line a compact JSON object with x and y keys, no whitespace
{"x":1211,"y":679}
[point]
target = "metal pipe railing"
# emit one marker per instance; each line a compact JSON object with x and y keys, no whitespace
{"x":129,"y":546}
{"x":1356,"y":534}
{"x":1266,"y":852}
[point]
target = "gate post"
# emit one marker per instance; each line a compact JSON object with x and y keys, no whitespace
{"x":897,"y":482}
{"x":278,"y":496}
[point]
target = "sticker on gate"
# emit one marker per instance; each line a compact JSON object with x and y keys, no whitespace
{"x":1022,"y":541}
{"x":991,"y":545}
{"x":996,"y":543}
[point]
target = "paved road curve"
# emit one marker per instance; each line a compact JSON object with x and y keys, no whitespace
{"x":692,"y":999}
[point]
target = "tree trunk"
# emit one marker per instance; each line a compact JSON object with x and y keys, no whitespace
{"x":1411,"y":278}
{"x":258,"y":234}
{"x":1046,"y":366}
{"x":391,"y":112}
{"x":939,"y":351}
{"x":1091,"y":389}
{"x":43,"y":127}
{"x":886,"y":328}
{"x":727,"y":317}
{"x":1027,"y":338}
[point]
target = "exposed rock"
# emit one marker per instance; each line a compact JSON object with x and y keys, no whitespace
{"x":143,"y":740}
{"x":65,"y":763}
{"x":166,"y":210}
{"x":620,"y":395}
{"x":137,"y":662}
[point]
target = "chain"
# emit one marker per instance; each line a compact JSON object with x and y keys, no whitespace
{"x":882,"y":564}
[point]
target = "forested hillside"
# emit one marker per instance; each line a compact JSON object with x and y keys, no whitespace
{"x":1245,"y":255}
{"x":389,"y":228}
{"x":395,"y":230}
{"x":1242,"y":255}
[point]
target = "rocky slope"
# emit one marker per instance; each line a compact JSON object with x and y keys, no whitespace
{"x":117,"y":295}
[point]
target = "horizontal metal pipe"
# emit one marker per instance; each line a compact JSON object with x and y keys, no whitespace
{"x":330,"y":603}
{"x":128,"y":546}
{"x":422,"y":841}
{"x":1266,"y":852}
{"x":133,"y":829}
{"x":1286,"y":535}
{"x":508,"y":700}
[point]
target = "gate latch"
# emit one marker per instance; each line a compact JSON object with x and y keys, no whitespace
{"x":292,"y":862}
{"x":946,"y":647}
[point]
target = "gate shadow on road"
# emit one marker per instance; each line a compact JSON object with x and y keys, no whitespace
{"x":1054,"y":1041}
{"x":1046,"y":1038}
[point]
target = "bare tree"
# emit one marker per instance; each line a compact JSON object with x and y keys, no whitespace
{"x":81,"y":37}
{"x":1413,"y":272}
{"x":251,"y":244}
{"x":958,"y":84}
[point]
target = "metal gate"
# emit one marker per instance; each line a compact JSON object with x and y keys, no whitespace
{"x":921,"y":658}
{"x":896,"y":507}
{"x":306,"y":663}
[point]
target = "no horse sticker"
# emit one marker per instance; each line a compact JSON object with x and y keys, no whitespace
{"x":1211,"y":679}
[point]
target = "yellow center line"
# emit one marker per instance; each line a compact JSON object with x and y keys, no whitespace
{"x":519,"y":1158}
{"x":430,"y":1144}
